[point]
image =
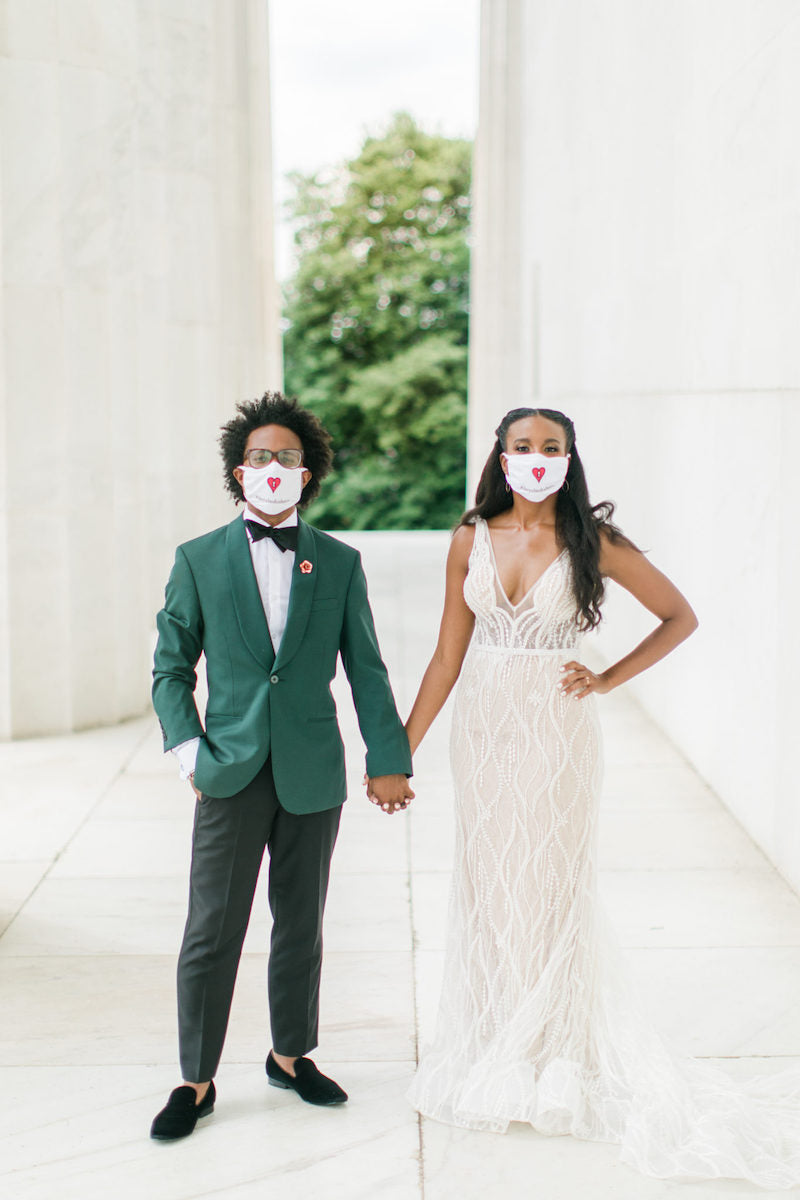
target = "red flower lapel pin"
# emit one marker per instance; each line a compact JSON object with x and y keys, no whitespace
{"x":306,"y":567}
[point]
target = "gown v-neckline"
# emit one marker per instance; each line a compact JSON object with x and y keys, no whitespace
{"x":535,"y":583}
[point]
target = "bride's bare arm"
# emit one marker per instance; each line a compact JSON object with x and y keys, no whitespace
{"x":455,"y":632}
{"x":632,"y":570}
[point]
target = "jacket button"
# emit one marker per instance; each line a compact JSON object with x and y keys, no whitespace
{"x":274,"y":678}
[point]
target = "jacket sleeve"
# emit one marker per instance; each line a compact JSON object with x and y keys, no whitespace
{"x":179,"y":646}
{"x":378,"y":719}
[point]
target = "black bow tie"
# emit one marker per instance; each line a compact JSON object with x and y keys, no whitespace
{"x":284,"y":539}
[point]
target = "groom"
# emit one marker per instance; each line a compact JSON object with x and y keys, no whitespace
{"x":272,"y":603}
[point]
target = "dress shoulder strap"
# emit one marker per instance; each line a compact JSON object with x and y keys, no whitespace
{"x":481,"y":528}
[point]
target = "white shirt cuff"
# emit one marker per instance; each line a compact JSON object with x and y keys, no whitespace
{"x":186,"y":754}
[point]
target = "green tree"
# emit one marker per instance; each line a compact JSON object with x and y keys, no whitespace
{"x":377,"y":326}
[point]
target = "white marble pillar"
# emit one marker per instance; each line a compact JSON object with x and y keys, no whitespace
{"x":138,"y":305}
{"x":497,"y":335}
{"x":638,"y":266}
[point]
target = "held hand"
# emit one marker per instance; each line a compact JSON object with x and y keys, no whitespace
{"x":579,"y":681}
{"x":389,"y":792}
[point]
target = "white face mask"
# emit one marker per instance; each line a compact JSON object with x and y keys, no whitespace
{"x":272,"y":489}
{"x":536,"y":476}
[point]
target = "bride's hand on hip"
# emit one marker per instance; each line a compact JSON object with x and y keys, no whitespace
{"x":579,"y":681}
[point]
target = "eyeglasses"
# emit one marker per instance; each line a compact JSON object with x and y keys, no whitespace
{"x":262,"y":458}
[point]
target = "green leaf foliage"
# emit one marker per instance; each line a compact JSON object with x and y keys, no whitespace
{"x":376,"y":328}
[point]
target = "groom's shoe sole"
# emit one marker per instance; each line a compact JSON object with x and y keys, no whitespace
{"x":309,"y":1083}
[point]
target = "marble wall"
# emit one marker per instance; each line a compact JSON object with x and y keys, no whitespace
{"x":138,"y":305}
{"x":638,"y":266}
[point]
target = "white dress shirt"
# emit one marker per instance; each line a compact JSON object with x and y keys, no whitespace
{"x":273,"y":571}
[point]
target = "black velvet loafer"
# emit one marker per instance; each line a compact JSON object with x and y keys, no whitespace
{"x":309,"y":1083}
{"x":181,"y":1113}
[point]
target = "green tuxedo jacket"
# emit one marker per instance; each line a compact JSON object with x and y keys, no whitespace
{"x":260,"y":704}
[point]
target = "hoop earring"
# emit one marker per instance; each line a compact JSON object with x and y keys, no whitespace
{"x":565,"y":486}
{"x":508,"y":489}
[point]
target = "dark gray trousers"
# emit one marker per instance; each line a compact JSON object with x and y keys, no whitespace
{"x":230,"y":836}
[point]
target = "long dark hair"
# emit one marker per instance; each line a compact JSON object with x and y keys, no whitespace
{"x":578,"y":523}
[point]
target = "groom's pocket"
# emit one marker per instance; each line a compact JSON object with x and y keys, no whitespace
{"x":325,"y":602}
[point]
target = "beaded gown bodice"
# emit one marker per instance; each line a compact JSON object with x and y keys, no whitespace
{"x":544,"y":619}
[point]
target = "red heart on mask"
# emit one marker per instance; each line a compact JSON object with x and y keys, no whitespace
{"x":274,"y":483}
{"x":538,"y":472}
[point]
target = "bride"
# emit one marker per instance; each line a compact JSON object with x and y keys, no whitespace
{"x":537,"y":1021}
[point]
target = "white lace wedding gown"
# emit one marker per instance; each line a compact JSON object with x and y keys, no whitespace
{"x":537,"y":1021}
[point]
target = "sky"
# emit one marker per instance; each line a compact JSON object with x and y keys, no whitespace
{"x":339,"y":70}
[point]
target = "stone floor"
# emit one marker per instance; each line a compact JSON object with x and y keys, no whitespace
{"x":94,"y":843}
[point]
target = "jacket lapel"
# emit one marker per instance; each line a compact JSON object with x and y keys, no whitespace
{"x":246,"y":598}
{"x":300,"y":596}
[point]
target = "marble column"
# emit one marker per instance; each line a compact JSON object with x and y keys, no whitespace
{"x":138,"y":305}
{"x":638,"y":266}
{"x":497,"y":358}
